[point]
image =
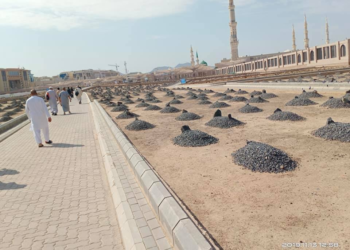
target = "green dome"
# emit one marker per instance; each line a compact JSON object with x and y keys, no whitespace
{"x":204,"y":63}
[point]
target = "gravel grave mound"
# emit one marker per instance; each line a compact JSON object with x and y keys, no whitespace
{"x":226,"y":98}
{"x":155,"y":101}
{"x":280,"y":115}
{"x":336,"y":103}
{"x":203,"y":98}
{"x":223,"y":122}
{"x":193,"y":97}
{"x":153,"y":107}
{"x":300,"y":102}
{"x":312,"y":94}
{"x":208,"y":91}
{"x":268,"y":95}
{"x":127,"y":115}
{"x":219,"y":94}
{"x":204,"y":102}
{"x":179,"y":97}
{"x":238,"y":99}
{"x":175,"y":101}
{"x":119,"y":108}
{"x":263,"y":158}
{"x":334,"y":131}
{"x":138,"y":125}
{"x":241,"y":92}
{"x":255,"y":93}
{"x":250,"y":109}
{"x":229,"y":91}
{"x":216,"y":105}
{"x":190,"y":93}
{"x":139,"y":100}
{"x":169,"y":109}
{"x":194,"y":138}
{"x":142,"y":105}
{"x":5,"y":118}
{"x":256,"y":100}
{"x":187,"y":116}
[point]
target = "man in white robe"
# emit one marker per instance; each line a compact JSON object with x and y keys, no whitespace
{"x":39,"y":116}
{"x":78,"y":91}
{"x":53,"y":98}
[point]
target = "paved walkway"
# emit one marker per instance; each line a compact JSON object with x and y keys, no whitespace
{"x":56,"y":197}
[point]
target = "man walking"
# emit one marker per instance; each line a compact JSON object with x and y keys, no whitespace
{"x":53,"y":98}
{"x":78,"y":93}
{"x":39,"y":116}
{"x":64,"y":101}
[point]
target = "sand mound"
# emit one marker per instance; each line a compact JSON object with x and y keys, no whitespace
{"x":187,"y":116}
{"x":153,"y":107}
{"x":312,"y":94}
{"x":216,"y":105}
{"x":280,"y":115}
{"x":256,"y":100}
{"x":336,"y":103}
{"x":250,"y":109}
{"x":260,"y":157}
{"x":204,"y":102}
{"x":223,"y":122}
{"x":169,"y":109}
{"x":142,"y":105}
{"x":238,"y":99}
{"x":127,"y":115}
{"x":334,"y":131}
{"x":175,"y":101}
{"x":138,"y":125}
{"x":300,"y":102}
{"x":194,"y":138}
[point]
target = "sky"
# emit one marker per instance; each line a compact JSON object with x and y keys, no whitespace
{"x":52,"y":36}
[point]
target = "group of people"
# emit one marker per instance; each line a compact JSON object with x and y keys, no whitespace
{"x":39,"y":115}
{"x":63,"y":97}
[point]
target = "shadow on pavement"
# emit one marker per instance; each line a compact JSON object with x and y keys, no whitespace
{"x":6,"y":171}
{"x":10,"y":185}
{"x":64,"y":145}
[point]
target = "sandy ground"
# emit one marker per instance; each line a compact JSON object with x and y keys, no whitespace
{"x":246,"y":210}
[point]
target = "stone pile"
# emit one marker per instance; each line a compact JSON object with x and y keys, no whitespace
{"x":127,"y":115}
{"x":153,"y":107}
{"x":238,"y":99}
{"x":187,"y":116}
{"x":142,"y":105}
{"x":223,"y":122}
{"x":336,"y":103}
{"x":169,"y":109}
{"x":312,"y":94}
{"x":194,"y":138}
{"x":263,"y":158}
{"x":250,"y":109}
{"x":334,"y":131}
{"x":256,"y":100}
{"x":216,"y":105}
{"x":280,"y":115}
{"x":138,"y":125}
{"x":300,"y":102}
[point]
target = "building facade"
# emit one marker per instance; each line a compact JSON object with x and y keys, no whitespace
{"x":332,"y":54}
{"x":87,"y":74}
{"x":14,"y":79}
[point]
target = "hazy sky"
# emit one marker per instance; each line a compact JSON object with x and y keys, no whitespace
{"x":49,"y":37}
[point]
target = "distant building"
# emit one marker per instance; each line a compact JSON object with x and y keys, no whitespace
{"x":87,"y":74}
{"x":14,"y":79}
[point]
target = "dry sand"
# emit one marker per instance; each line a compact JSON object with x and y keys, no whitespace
{"x":246,"y":210}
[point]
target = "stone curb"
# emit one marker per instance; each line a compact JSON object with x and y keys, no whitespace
{"x":128,"y":228}
{"x":180,"y":229}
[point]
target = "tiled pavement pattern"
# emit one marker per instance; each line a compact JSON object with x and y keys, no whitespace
{"x":152,"y":234}
{"x":56,"y":197}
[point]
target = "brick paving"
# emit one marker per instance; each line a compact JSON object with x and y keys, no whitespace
{"x":56,"y":197}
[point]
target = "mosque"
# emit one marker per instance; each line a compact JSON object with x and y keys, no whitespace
{"x":329,"y":54}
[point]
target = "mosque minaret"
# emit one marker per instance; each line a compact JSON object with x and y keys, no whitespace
{"x":327,"y":32}
{"x":233,"y":27}
{"x":192,"y":58}
{"x":306,"y":40}
{"x":294,"y":44}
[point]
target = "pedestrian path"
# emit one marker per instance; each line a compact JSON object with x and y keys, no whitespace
{"x":57,"y":197}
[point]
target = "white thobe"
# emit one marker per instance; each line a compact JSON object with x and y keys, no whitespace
{"x":80,"y":94}
{"x":53,"y":100}
{"x":38,"y":114}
